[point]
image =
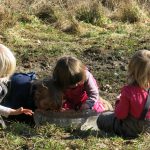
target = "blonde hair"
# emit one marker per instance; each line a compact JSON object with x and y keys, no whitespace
{"x":7,"y":63}
{"x":68,"y":71}
{"x":139,"y":69}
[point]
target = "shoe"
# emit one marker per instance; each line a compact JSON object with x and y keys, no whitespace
{"x":90,"y":124}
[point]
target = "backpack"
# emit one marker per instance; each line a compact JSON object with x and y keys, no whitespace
{"x":20,"y":91}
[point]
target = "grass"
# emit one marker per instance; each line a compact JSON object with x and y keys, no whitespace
{"x":21,"y":136}
{"x":105,"y":50}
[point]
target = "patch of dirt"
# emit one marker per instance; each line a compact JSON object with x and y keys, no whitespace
{"x":42,"y":65}
{"x":108,"y":67}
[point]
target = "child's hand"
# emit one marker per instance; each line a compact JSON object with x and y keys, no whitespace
{"x":84,"y":106}
{"x":21,"y":110}
{"x":62,"y":109}
{"x":67,"y":110}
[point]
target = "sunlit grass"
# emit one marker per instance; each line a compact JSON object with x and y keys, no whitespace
{"x":105,"y":50}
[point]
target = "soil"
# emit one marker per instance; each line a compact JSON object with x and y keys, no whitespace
{"x":108,"y":67}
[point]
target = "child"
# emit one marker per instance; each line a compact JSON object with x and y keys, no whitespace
{"x":33,"y":94}
{"x":78,"y":85}
{"x":130,"y":118}
{"x":46,"y":95}
{"x":7,"y":68}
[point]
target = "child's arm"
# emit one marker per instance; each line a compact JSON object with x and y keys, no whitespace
{"x":5,"y":111}
{"x":21,"y":110}
{"x":85,"y":106}
{"x":122,"y":105}
{"x":91,"y":89}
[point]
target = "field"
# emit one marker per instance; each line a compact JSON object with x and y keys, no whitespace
{"x":103,"y":35}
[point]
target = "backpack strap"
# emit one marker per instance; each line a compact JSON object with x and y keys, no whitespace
{"x":146,"y":107}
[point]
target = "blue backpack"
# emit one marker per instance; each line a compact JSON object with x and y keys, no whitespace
{"x":20,"y":91}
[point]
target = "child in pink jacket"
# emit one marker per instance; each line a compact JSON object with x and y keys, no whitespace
{"x":130,"y":118}
{"x":78,"y":85}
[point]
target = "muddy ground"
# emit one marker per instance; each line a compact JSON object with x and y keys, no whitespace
{"x":109,"y":68}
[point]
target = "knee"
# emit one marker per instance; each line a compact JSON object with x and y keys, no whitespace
{"x":105,"y":121}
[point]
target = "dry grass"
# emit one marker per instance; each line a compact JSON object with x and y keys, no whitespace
{"x":111,"y":4}
{"x":45,"y":10}
{"x":55,"y":13}
{"x":93,"y":12}
{"x":130,"y":11}
{"x":67,"y":14}
{"x":98,"y":12}
{"x":7,"y":18}
{"x":17,"y":5}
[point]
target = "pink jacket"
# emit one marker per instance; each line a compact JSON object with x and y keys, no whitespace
{"x":85,"y":93}
{"x":131,"y":102}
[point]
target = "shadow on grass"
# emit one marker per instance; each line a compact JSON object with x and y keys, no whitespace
{"x":79,"y":134}
{"x":21,"y":128}
{"x":28,"y":130}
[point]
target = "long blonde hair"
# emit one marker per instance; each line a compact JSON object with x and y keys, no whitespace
{"x":139,"y":69}
{"x":7,"y":63}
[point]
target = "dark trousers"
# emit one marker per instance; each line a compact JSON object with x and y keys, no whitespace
{"x":129,"y":127}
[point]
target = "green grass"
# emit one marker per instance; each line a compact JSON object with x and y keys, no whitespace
{"x":105,"y":50}
{"x":21,"y":136}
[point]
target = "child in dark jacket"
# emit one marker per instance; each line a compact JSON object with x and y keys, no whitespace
{"x":25,"y":91}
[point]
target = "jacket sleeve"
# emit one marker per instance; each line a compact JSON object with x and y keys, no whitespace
{"x":122,"y":104}
{"x":4,"y":111}
{"x":1,"y":93}
{"x":91,"y":89}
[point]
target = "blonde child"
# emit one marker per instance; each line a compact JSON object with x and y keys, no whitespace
{"x":130,"y":118}
{"x":78,"y":85}
{"x":7,"y":68}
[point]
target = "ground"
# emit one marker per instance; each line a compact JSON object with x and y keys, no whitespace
{"x":105,"y":50}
